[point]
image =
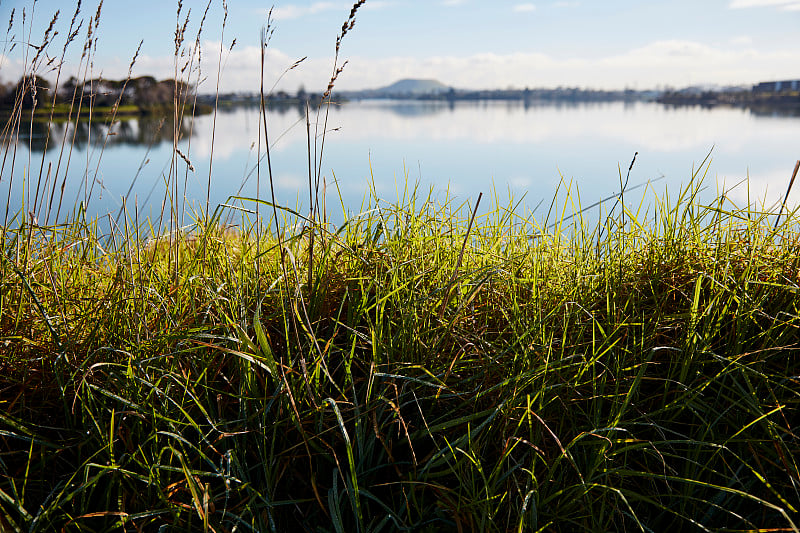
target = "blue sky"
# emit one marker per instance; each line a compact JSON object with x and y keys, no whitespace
{"x":463,"y":43}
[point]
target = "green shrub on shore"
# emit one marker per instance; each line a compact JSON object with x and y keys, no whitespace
{"x":616,"y":377}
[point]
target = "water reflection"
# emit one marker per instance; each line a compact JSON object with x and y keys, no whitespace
{"x":465,"y":147}
{"x":141,"y":131}
{"x":773,"y":111}
{"x":278,"y":108}
{"x":154,"y":130}
{"x":413,"y":109}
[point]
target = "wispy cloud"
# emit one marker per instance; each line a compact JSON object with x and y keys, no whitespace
{"x":524,"y":8}
{"x":785,"y":5}
{"x":293,"y":12}
{"x":452,"y":3}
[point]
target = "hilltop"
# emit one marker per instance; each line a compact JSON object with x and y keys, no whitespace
{"x":409,"y":87}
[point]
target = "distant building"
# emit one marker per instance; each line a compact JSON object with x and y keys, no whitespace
{"x":777,"y":86}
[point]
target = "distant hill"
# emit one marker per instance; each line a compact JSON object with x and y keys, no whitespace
{"x":404,"y":88}
{"x":416,"y":87}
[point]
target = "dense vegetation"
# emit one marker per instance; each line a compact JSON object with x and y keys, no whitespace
{"x":143,"y":95}
{"x":418,"y":373}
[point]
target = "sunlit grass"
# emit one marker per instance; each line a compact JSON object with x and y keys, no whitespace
{"x":594,"y":378}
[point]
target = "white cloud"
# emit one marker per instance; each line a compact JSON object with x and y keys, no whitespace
{"x":786,"y":5}
{"x":10,"y":69}
{"x":451,"y":3}
{"x":524,"y":8}
{"x":742,"y":40}
{"x":675,"y":63}
{"x":739,"y":4}
{"x":293,"y":12}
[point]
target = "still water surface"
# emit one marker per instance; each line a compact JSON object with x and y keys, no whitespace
{"x":498,"y":148}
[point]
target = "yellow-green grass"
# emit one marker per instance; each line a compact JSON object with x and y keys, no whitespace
{"x":637,"y":377}
{"x":63,"y":111}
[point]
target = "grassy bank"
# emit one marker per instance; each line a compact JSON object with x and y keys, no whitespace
{"x":424,"y":374}
{"x":60,"y":113}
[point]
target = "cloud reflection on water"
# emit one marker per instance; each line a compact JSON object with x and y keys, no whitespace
{"x":468,"y":146}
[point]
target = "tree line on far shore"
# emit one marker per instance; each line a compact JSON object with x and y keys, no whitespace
{"x":145,"y":93}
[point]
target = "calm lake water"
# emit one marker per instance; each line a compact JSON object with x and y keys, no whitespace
{"x":498,"y":148}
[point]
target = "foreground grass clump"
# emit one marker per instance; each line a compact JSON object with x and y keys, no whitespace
{"x":419,"y":373}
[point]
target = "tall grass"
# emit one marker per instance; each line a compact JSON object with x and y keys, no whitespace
{"x":420,"y":367}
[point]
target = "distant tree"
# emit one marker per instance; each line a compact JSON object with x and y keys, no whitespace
{"x":33,"y":90}
{"x":183,"y":90}
{"x":102,"y":91}
{"x":67,"y":89}
{"x":143,"y":88}
{"x":147,"y":92}
{"x":142,"y":82}
{"x":5,"y":88}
